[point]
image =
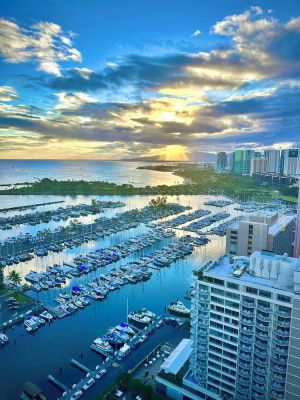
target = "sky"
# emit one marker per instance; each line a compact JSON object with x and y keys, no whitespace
{"x":117,"y":79}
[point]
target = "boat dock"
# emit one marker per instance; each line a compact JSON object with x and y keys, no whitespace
{"x":58,"y":383}
{"x":80,"y":366}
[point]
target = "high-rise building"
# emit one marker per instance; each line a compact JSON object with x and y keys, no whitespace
{"x":261,"y":231}
{"x":245,"y":328}
{"x":297,"y":232}
{"x":242,"y":161}
{"x":221,"y":161}
{"x":273,"y":161}
{"x":290,"y":162}
{"x":258,"y":165}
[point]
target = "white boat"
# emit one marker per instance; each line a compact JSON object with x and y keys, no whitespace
{"x":3,"y":338}
{"x":47,"y":316}
{"x":139,"y":317}
{"x":125,"y":328}
{"x":179,"y":308}
{"x":103,"y":344}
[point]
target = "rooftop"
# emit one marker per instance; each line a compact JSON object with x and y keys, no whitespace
{"x":238,"y":268}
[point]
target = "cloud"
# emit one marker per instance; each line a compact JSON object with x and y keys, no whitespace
{"x":7,"y":93}
{"x":243,"y":92}
{"x":44,"y":43}
{"x":196,"y":33}
{"x":73,"y":101}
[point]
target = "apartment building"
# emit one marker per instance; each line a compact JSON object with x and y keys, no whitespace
{"x":261,"y":231}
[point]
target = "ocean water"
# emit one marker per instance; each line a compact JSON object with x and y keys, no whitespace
{"x":18,"y":171}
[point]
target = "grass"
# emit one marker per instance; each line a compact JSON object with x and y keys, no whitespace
{"x":22,"y":298}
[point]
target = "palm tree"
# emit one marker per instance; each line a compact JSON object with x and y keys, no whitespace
{"x":1,"y":277}
{"x":14,"y":277}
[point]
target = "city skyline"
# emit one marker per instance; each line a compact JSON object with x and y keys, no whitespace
{"x":111,"y":81}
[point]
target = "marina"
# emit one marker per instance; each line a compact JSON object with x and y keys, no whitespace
{"x":65,"y":319}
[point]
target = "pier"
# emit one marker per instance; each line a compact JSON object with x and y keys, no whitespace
{"x":58,"y":383}
{"x":80,"y":366}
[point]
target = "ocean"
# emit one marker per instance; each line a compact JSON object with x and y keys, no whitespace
{"x":18,"y":171}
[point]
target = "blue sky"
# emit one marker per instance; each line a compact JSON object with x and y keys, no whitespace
{"x":117,"y":79}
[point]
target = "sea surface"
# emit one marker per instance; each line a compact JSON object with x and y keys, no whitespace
{"x":19,"y":171}
{"x":35,"y":356}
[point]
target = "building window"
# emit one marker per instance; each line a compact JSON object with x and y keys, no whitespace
{"x":283,"y":298}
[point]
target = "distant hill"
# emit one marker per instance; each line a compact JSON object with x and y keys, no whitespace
{"x":199,"y":156}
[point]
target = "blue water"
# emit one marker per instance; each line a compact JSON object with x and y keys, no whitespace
{"x":35,"y":356}
{"x":18,"y":171}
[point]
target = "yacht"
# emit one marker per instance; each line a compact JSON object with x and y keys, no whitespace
{"x":125,"y":328}
{"x":179,"y":308}
{"x":139,"y":317}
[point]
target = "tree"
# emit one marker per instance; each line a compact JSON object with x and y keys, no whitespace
{"x":1,"y":277}
{"x":14,"y":277}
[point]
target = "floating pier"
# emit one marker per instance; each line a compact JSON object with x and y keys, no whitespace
{"x":58,"y":383}
{"x":80,"y":366}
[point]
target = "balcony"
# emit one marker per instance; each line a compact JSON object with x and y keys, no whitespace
{"x":244,"y":373}
{"x":260,"y":363}
{"x":245,"y":348}
{"x":201,"y":357}
{"x":247,"y":313}
{"x":279,"y":350}
{"x":279,"y":360}
{"x":262,"y":336}
{"x":259,"y":370}
{"x":282,"y":314}
{"x":283,"y":324}
{"x":258,"y":396}
{"x":278,"y":368}
{"x":279,"y":378}
{"x":248,"y":304}
{"x":281,"y":342}
{"x":261,"y":345}
{"x":242,"y":389}
{"x":245,"y":356}
{"x":262,"y":327}
{"x":279,"y":388}
{"x":263,"y":318}
{"x":246,"y":339}
{"x":276,"y":396}
{"x":246,"y":331}
{"x":247,"y":322}
{"x":203,"y":324}
{"x":259,"y":379}
{"x":202,"y":341}
{"x":243,"y":366}
{"x":260,"y":353}
{"x":281,"y":332}
{"x":259,"y":388}
{"x":243,"y":381}
{"x":264,"y":309}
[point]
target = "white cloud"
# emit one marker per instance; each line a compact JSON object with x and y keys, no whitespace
{"x":7,"y":93}
{"x":73,"y":101}
{"x":45,"y":43}
{"x":196,"y":33}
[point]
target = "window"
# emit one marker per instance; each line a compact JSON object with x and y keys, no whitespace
{"x":264,"y":293}
{"x":283,"y":298}
{"x":251,"y":290}
{"x":232,"y":285}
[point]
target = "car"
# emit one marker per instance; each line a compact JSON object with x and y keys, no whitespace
{"x":100,"y":373}
{"x":88,"y":384}
{"x":76,"y":395}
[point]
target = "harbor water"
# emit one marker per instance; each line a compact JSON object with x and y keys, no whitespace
{"x":50,"y":349}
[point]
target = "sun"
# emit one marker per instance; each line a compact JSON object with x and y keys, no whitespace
{"x":173,"y":152}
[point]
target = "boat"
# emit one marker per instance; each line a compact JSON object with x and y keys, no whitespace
{"x":179,"y":308}
{"x":103,"y":345}
{"x":3,"y":338}
{"x":139,"y":318}
{"x":47,"y":316}
{"x":125,"y":328}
